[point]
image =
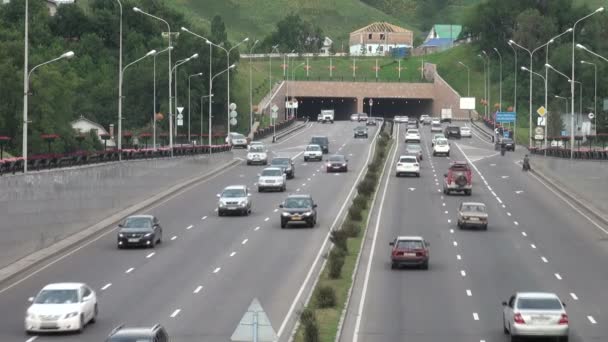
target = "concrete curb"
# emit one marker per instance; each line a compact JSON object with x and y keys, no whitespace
{"x":559,"y":188}
{"x":18,"y":267}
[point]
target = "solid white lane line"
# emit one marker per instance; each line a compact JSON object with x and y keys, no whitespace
{"x":232,"y":254}
{"x":524,"y":234}
{"x":189,"y":227}
{"x":129,"y":270}
{"x":173,"y":237}
{"x":266,"y":219}
{"x":591,"y":319}
{"x":106,"y":286}
{"x":31,"y":339}
{"x":516,"y":223}
{"x":198,"y":289}
{"x":573,"y":295}
{"x":455,"y":243}
{"x":490,"y":188}
{"x":504,"y":206}
{"x":558,"y":276}
{"x":533,"y":246}
{"x":204,"y":218}
{"x":150,"y":255}
{"x":463,"y":273}
{"x":498,"y":199}
{"x":475,"y":316}
{"x":469,"y":293}
{"x":544,"y":259}
{"x":508,"y":214}
{"x":244,"y":241}
{"x":458,"y":257}
{"x":217,"y":270}
{"x":175,"y":313}
{"x":257,"y":228}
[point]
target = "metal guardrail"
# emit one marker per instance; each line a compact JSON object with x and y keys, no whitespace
{"x":289,"y":131}
{"x":483,"y":131}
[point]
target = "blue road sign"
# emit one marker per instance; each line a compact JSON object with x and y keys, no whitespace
{"x":564,"y":133}
{"x":505,"y":117}
{"x":505,"y":134}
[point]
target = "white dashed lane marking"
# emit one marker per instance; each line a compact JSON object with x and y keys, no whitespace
{"x":173,"y":237}
{"x":455,"y":243}
{"x":524,"y":234}
{"x":475,"y":316}
{"x":266,"y":219}
{"x":463,"y":273}
{"x":244,"y":241}
{"x":189,"y":227}
{"x":257,"y":228}
{"x":217,"y":270}
{"x":508,"y":214}
{"x":204,"y":218}
{"x":232,"y":254}
{"x":573,"y":295}
{"x":591,"y":319}
{"x":129,"y":270}
{"x":31,"y":339}
{"x":198,"y":289}
{"x":516,"y":223}
{"x":469,"y":293}
{"x":106,"y":286}
{"x":544,"y":259}
{"x":150,"y":255}
{"x":558,"y":276}
{"x":451,"y":231}
{"x":175,"y":313}
{"x":458,"y":257}
{"x":449,"y":221}
{"x":533,"y":246}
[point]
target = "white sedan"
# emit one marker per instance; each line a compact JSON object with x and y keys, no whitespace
{"x":257,"y":155}
{"x":412,"y":134}
{"x":466,"y":132}
{"x":61,"y":307}
{"x":407,"y":165}
{"x":313,"y":152}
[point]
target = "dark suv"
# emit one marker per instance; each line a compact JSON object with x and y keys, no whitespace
{"x":139,"y":230}
{"x":509,"y":144}
{"x":321,"y":141}
{"x":286,"y":164}
{"x":360,"y":131}
{"x":452,"y":132}
{"x":298,"y":209}
{"x":145,"y":334}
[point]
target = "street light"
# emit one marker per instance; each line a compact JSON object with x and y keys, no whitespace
{"x":571,"y":112}
{"x":488,"y":77}
{"x":485,"y":85}
{"x":251,"y":88}
{"x":137,"y":10}
{"x":228,"y":67}
{"x":468,"y":78}
{"x":178,"y":63}
{"x":515,"y":82}
{"x":293,"y":78}
{"x":580,"y":101}
{"x":499,"y":84}
{"x":210,"y":95}
{"x":203,"y":97}
{"x":154,"y":98}
{"x":150,"y":53}
{"x":189,"y":77}
{"x":547,"y":118}
{"x":275,"y":47}
{"x":564,"y":98}
{"x":26,"y":90}
{"x":572,"y":78}
{"x":594,"y":94}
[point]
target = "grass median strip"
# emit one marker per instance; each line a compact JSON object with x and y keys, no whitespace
{"x":320,"y":320}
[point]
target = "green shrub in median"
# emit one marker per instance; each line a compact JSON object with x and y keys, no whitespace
{"x":338,"y":238}
{"x":335,"y":262}
{"x":326,"y":297}
{"x":355,"y":213}
{"x":351,"y":228}
{"x":366,"y":186}
{"x":360,"y":202}
{"x":311,"y":328}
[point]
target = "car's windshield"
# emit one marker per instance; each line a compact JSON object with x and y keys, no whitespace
{"x":465,"y":129}
{"x":256,"y":148}
{"x":336,"y":158}
{"x":272,"y":173}
{"x":230,"y":193}
{"x":408,"y":160}
{"x":280,"y":161}
{"x":409,"y":244}
{"x":361,"y":128}
{"x":507,"y":141}
{"x":138,"y":222}
{"x":69,"y":296}
{"x":438,"y":136}
{"x":414,"y":147}
{"x":474,"y":208}
{"x":238,"y":136}
{"x":319,"y":141}
{"x":441,"y":142}
{"x":130,"y":339}
{"x":539,"y":304}
{"x":297,"y":203}
{"x":313,"y":148}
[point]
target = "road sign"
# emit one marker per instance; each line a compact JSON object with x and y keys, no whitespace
{"x":505,"y":116}
{"x":254,"y":319}
{"x":180,"y":116}
{"x":541,"y":111}
{"x":232,"y":106}
{"x":539,"y":133}
{"x":564,"y":133}
{"x":541,"y":121}
{"x":371,"y":102}
{"x":274,"y":111}
{"x":233,"y":121}
{"x":233,"y":114}
{"x":591,"y":116}
{"x":180,"y":122}
{"x":180,"y":109}
{"x":274,"y":108}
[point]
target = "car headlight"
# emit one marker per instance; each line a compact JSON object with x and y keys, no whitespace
{"x":30,"y":315}
{"x":285,"y":214}
{"x":121,"y":235}
{"x":308,"y":213}
{"x":71,"y":314}
{"x":220,"y":204}
{"x":242,"y":203}
{"x":148,"y":235}
{"x":344,"y":164}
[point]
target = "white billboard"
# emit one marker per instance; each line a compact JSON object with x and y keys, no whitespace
{"x":467,"y":103}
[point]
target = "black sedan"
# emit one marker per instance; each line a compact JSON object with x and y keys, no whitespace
{"x":337,"y":162}
{"x":286,"y":164}
{"x":509,"y":144}
{"x":298,"y":209}
{"x":140,"y":230}
{"x":360,"y":131}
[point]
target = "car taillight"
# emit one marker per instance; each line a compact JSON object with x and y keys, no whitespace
{"x":416,"y":165}
{"x":518,"y":319}
{"x":399,"y":164}
{"x":563,"y":319}
{"x":450,"y":177}
{"x":469,"y":176}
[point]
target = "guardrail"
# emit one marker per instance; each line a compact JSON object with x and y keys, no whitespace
{"x":265,"y":132}
{"x":53,"y":161}
{"x":481,"y":130}
{"x":289,"y":131}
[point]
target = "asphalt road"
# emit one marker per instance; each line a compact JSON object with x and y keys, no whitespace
{"x":199,"y":282}
{"x":535,"y":242}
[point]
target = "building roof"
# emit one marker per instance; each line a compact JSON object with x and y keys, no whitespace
{"x":91,"y":122}
{"x":438,"y":42}
{"x":381,"y":27}
{"x":447,"y":31}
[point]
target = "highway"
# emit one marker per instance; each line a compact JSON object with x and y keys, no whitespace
{"x":199,"y":282}
{"x":535,"y":242}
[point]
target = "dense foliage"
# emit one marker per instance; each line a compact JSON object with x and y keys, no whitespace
{"x":294,"y":33}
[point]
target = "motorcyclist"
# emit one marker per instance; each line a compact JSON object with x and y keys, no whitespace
{"x":503,"y":148}
{"x":526,"y":163}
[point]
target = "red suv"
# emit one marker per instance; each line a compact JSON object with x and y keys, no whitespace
{"x":409,"y":251}
{"x":458,"y":178}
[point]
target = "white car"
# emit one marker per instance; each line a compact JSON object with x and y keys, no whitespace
{"x":436,"y":127}
{"x":535,"y":314}
{"x":236,"y":139}
{"x":257,"y":155}
{"x":407,"y":165}
{"x":272,"y":178}
{"x":466,"y":132}
{"x":234,"y":199}
{"x":412,"y":134}
{"x":435,"y":121}
{"x":61,"y":307}
{"x":437,"y":136}
{"x":442,"y":146}
{"x":255,"y":143}
{"x":313,"y":152}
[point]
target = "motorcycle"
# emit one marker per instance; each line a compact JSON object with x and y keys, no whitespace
{"x":503,"y":150}
{"x":526,"y":164}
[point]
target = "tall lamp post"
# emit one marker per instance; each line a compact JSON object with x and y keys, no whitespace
{"x":228,"y":67}
{"x":595,"y":100}
{"x":468,"y":78}
{"x":151,"y":53}
{"x":189,"y":77}
{"x":546,"y":119}
{"x":571,"y":112}
{"x":564,"y":98}
{"x":293,"y":78}
{"x":580,"y":100}
{"x":251,"y":87}
{"x":488,"y":79}
{"x":275,"y":47}
{"x":515,"y":82}
{"x":177,"y":64}
{"x":485,"y":85}
{"x":137,"y":10}
{"x":210,"y":96}
{"x":154,"y":98}
{"x":500,"y":83}
{"x":26,"y":91}
{"x":572,"y":78}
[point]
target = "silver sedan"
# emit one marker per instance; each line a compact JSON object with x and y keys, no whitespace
{"x":541,"y":314}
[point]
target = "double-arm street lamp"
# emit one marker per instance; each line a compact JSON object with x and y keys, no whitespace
{"x":151,"y":53}
{"x":515,"y":82}
{"x":154,"y":98}
{"x":189,"y":104}
{"x":468,"y":78}
{"x":547,"y":118}
{"x":251,"y":87}
{"x":26,"y":91}
{"x":177,"y":64}
{"x":485,"y":85}
{"x":228,"y":67}
{"x":595,"y":91}
{"x":571,"y":112}
{"x":500,"y":83}
{"x":210,"y":96}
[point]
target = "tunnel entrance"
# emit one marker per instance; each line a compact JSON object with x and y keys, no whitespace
{"x":311,"y":106}
{"x":388,"y":108}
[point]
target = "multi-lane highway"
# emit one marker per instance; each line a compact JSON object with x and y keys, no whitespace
{"x":536,"y":241}
{"x":199,"y":282}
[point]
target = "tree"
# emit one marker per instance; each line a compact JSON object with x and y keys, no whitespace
{"x":218,"y":30}
{"x":533,"y":29}
{"x":293,"y":33}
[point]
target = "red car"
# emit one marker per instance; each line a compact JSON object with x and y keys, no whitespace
{"x":410,"y":251}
